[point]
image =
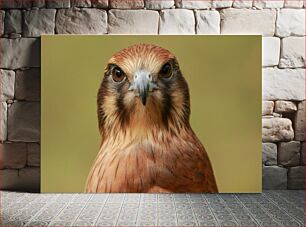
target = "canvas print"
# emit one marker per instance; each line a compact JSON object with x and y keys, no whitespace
{"x":130,"y":125}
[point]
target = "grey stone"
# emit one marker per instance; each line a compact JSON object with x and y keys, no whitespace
{"x":285,"y":106}
{"x":270,"y":51}
{"x":290,"y":22}
{"x":221,"y":3}
{"x":126,"y":4}
{"x":299,"y":122}
{"x":27,"y":86}
{"x":7,"y":81}
{"x":274,"y":177}
{"x":99,"y":3}
{"x":20,"y":53}
{"x":267,"y":108}
{"x":33,"y":154}
{"x":293,"y":52}
{"x":39,"y":3}
{"x":283,"y":84}
{"x":192,"y":4}
{"x":159,"y":4}
{"x":248,"y":21}
{"x":303,"y":160}
{"x":3,"y":121}
{"x":39,"y":22}
{"x":81,"y":21}
{"x":261,"y":4}
{"x":80,"y":3}
{"x":269,"y":154}
{"x":56,"y":4}
{"x":296,"y":176}
{"x":177,"y":21}
{"x":15,"y":4}
{"x":24,"y":122}
{"x":208,"y":22}
{"x":2,"y":15}
{"x":13,"y":21}
{"x":276,"y":129}
{"x":289,"y":153}
{"x":14,"y":155}
{"x":138,"y":22}
{"x":242,"y":4}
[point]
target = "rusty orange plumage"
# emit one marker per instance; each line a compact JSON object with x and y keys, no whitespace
{"x":147,"y":144}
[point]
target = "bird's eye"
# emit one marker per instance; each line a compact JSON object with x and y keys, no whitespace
{"x":118,"y":75}
{"x":166,"y":70}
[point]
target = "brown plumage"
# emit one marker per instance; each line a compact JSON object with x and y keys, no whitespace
{"x":147,"y":142}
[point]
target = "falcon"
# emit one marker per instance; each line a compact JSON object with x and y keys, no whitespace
{"x":148,"y":144}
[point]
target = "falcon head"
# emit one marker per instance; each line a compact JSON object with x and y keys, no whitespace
{"x":143,"y":87}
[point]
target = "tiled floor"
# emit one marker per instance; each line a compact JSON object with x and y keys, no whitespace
{"x":271,"y":208}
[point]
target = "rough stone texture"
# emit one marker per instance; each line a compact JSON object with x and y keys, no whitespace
{"x":2,"y":15}
{"x":192,"y":4}
{"x":33,"y":154}
{"x":159,"y":4}
{"x":274,"y":177}
{"x":296,"y":177}
{"x":19,"y":53}
{"x":303,"y":160}
{"x":14,"y":155}
{"x":299,"y":122}
{"x":15,"y":4}
{"x":27,"y":86}
{"x":293,"y":4}
{"x":39,"y":3}
{"x":261,"y":4}
{"x":293,"y":52}
{"x":221,"y":3}
{"x":289,"y":153}
{"x":3,"y":121}
{"x":269,"y":154}
{"x":270,"y":51}
{"x":208,"y":22}
{"x":26,"y":179}
{"x":126,"y":4}
{"x":285,"y":107}
{"x":178,"y":21}
{"x":7,"y":80}
{"x":81,"y":21}
{"x":248,"y":21}
{"x":24,"y":122}
{"x":39,"y":22}
{"x":133,"y":22}
{"x":80,"y":3}
{"x":242,"y":4}
{"x":56,"y":4}
{"x":99,"y":3}
{"x":13,"y":21}
{"x":267,"y":108}
{"x":290,"y":22}
{"x":276,"y":129}
{"x":283,"y":84}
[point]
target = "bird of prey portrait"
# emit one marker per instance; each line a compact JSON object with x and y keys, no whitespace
{"x":147,"y":143}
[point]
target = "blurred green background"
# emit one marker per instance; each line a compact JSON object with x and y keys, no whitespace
{"x":224,"y":77}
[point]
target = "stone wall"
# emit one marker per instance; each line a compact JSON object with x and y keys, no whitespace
{"x":281,"y":22}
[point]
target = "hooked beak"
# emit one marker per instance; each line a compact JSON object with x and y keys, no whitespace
{"x":143,"y":84}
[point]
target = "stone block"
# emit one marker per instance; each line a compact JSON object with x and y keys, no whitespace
{"x":80,"y":3}
{"x":159,"y":4}
{"x":192,"y":4}
{"x":293,"y":4}
{"x":293,"y":52}
{"x":3,"y":121}
{"x":140,"y":22}
{"x":299,"y":122}
{"x":208,"y":22}
{"x":13,"y":21}
{"x":242,"y":4}
{"x":2,"y":15}
{"x":303,"y":160}
{"x":221,"y":3}
{"x":24,"y":122}
{"x":285,"y":106}
{"x":290,"y":22}
{"x":7,"y":81}
{"x":33,"y":154}
{"x":56,"y":4}
{"x":15,"y":4}
{"x":261,"y":4}
{"x":38,"y":3}
{"x":81,"y":21}
{"x":126,"y":4}
{"x":13,"y":155}
{"x":267,"y":108}
{"x":270,"y":51}
{"x":27,"y":86}
{"x":289,"y":153}
{"x":248,"y":21}
{"x":276,"y":129}
{"x":20,"y":53}
{"x":177,"y":21}
{"x":39,"y":22}
{"x":269,"y":154}
{"x":283,"y":84}
{"x":99,"y":3}
{"x":296,"y":176}
{"x":274,"y":177}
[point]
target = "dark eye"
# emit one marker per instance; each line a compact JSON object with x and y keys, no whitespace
{"x":118,"y":75}
{"x":166,"y":70}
